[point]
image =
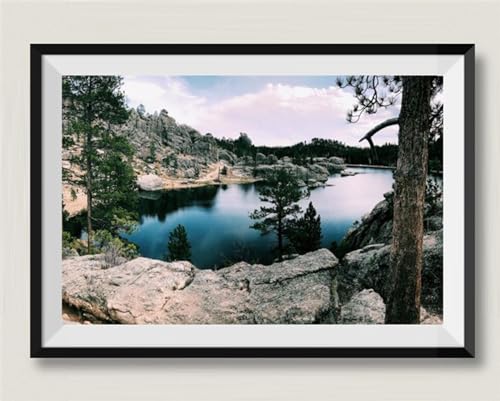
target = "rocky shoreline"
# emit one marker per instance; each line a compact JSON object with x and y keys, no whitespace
{"x":245,"y":170}
{"x":315,"y":288}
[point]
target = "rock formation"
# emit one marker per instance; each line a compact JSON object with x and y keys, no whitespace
{"x":365,"y":253}
{"x":368,"y":307}
{"x":376,"y":226}
{"x":147,"y":291}
{"x":311,"y":174}
{"x":150,"y":182}
{"x":168,"y":149}
{"x":369,"y":266}
{"x":365,"y":307}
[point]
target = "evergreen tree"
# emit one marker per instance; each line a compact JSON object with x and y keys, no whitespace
{"x":178,"y":244}
{"x":141,"y":110}
{"x":151,"y":158}
{"x":281,"y":190}
{"x":115,"y":198}
{"x":243,"y":145}
{"x":305,"y":233}
{"x":93,"y":104}
{"x":418,"y":120}
{"x":164,"y":134}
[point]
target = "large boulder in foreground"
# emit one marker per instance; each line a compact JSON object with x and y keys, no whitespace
{"x":369,"y":267}
{"x":148,"y":291}
{"x":365,"y":307}
{"x":368,"y":307}
{"x":150,"y":182}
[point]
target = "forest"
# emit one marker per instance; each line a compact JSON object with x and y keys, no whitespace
{"x":301,"y":153}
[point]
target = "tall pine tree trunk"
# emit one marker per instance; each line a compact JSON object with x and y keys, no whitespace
{"x":88,"y":155}
{"x":280,"y":237}
{"x":403,"y":306}
{"x":89,"y":191}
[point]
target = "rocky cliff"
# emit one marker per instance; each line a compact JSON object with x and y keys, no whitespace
{"x":176,"y":151}
{"x":369,"y":268}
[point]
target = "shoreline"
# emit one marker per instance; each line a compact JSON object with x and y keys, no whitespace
{"x":78,"y":205}
{"x":174,"y":184}
{"x":375,"y":166}
{"x":75,"y":206}
{"x":381,"y":167}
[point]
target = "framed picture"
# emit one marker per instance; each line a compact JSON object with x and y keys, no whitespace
{"x":252,"y":200}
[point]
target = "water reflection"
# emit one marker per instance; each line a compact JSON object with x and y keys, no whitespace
{"x":157,"y":204}
{"x":217,"y":222}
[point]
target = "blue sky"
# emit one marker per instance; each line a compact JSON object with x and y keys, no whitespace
{"x":272,"y":110}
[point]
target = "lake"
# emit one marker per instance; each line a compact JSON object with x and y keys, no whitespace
{"x":218,"y":224}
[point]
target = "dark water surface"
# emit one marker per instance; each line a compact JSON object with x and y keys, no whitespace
{"x":217,"y":222}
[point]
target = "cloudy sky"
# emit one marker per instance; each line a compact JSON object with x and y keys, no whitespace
{"x":272,"y":110}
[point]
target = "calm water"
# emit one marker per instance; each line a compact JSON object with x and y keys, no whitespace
{"x":217,"y":222}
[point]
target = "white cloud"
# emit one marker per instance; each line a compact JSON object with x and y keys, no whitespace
{"x":168,"y":93}
{"x":277,"y":114}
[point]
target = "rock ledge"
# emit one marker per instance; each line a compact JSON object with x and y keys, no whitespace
{"x":148,"y":291}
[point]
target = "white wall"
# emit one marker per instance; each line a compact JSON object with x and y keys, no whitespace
{"x":210,"y":21}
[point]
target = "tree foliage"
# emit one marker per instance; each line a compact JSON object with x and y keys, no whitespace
{"x":305,"y":232}
{"x":372,"y":92}
{"x":302,"y":152}
{"x":114,"y":195}
{"x":375,"y":92}
{"x":282,"y":192}
{"x":116,"y":250}
{"x":93,"y":105}
{"x":178,"y":245}
{"x":243,"y":145}
{"x":151,"y":157}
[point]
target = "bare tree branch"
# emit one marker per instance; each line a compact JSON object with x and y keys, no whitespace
{"x":374,"y":130}
{"x":377,"y":128}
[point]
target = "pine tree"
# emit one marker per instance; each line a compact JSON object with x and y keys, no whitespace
{"x":305,"y":233}
{"x":418,"y":120}
{"x":178,"y":245}
{"x":282,"y":191}
{"x":403,"y":305}
{"x":115,"y":198}
{"x":243,"y":145}
{"x":93,"y":104}
{"x":151,"y":158}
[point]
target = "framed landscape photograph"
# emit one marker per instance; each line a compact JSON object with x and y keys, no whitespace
{"x":252,"y":200}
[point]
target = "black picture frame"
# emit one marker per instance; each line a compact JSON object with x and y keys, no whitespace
{"x":39,"y":50}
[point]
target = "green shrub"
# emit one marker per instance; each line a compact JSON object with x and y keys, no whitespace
{"x":115,"y":249}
